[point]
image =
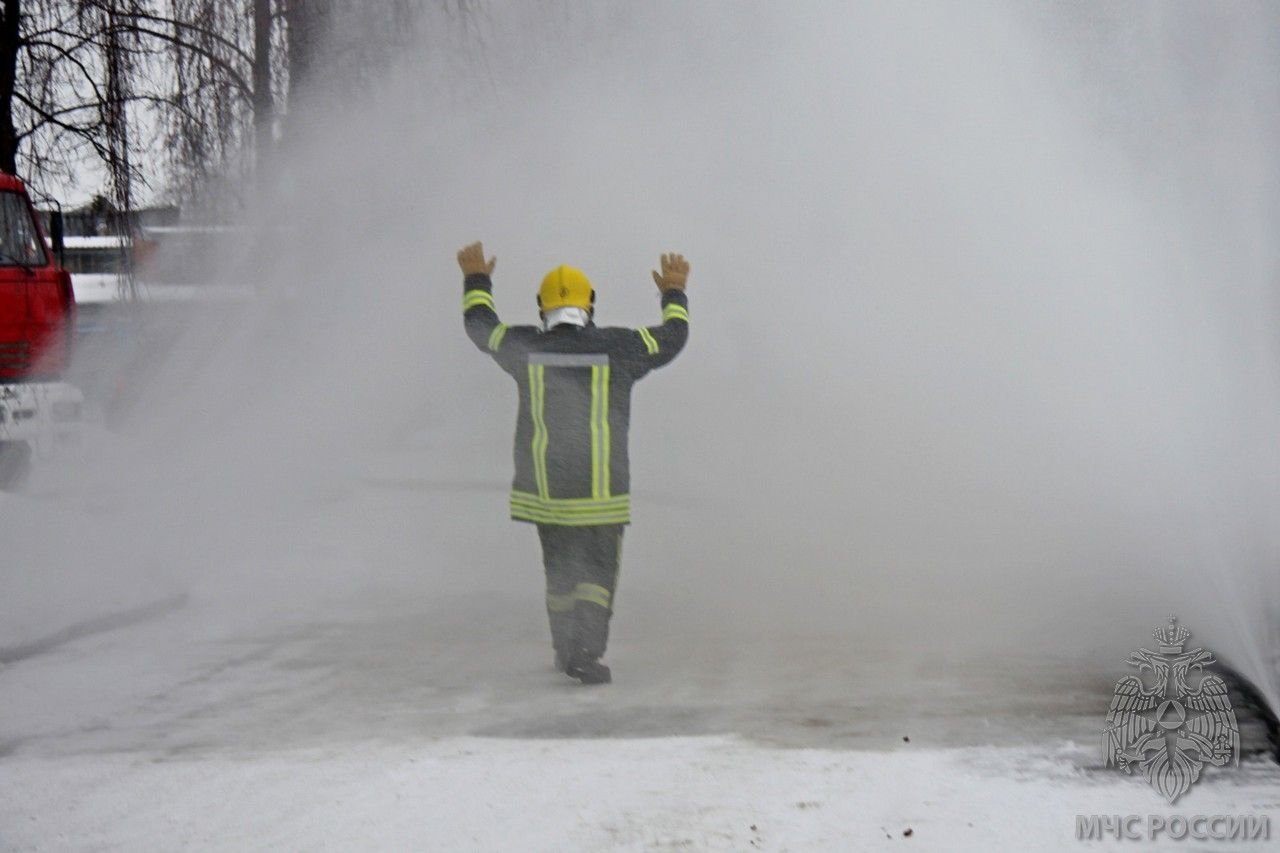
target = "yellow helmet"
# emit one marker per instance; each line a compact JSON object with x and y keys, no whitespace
{"x":566,"y":287}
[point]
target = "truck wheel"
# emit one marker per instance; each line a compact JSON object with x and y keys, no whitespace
{"x":15,"y":464}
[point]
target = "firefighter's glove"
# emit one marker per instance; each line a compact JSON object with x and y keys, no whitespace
{"x":675,"y":272}
{"x":471,"y":259}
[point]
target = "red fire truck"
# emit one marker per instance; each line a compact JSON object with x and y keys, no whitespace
{"x":38,"y":411}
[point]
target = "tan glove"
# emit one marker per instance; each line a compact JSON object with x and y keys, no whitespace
{"x":471,"y":259}
{"x":675,"y":272}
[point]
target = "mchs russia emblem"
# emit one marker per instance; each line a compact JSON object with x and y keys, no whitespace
{"x":1164,"y":725}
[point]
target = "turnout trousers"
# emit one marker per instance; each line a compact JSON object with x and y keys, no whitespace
{"x":582,"y":566}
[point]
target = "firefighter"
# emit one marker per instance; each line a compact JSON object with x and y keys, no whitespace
{"x":572,"y":478}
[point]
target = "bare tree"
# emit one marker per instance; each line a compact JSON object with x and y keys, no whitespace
{"x":210,"y":127}
{"x":213,"y":83}
{"x":10,"y":36}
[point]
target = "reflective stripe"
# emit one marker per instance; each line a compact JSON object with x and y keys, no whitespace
{"x":571,"y":506}
{"x":495,"y":338}
{"x":649,"y":343}
{"x":571,"y":521}
{"x":675,"y":312}
{"x":560,"y":603}
{"x":600,"y":432}
{"x":593,"y":593}
{"x":572,"y":512}
{"x":472,"y":298}
{"x":595,"y":433}
{"x":607,"y":451}
{"x":568,"y":359}
{"x":537,"y":394}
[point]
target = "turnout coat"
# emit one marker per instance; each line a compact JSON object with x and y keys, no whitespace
{"x":570,"y":451}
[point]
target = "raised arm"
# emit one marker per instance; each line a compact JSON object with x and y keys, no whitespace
{"x":660,"y":344}
{"x":478,"y":314}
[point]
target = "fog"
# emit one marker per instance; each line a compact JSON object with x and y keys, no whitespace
{"x":983,"y":351}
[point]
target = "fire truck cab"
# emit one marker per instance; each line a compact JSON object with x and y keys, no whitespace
{"x":38,"y":411}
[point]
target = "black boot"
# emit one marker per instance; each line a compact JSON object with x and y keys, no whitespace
{"x":588,"y":670}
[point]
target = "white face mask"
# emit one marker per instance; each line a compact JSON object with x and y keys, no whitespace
{"x":567,"y":315}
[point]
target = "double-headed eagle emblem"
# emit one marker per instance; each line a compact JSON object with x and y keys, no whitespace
{"x":1169,"y":729}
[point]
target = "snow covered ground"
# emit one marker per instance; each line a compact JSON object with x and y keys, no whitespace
{"x":371,"y":710}
{"x":713,"y":792}
{"x":368,"y":733}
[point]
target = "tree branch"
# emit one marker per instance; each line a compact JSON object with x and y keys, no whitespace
{"x":232,"y":74}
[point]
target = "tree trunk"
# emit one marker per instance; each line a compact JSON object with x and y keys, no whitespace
{"x":308,"y":22}
{"x":264,"y":112}
{"x":10,"y":33}
{"x":117,"y":67}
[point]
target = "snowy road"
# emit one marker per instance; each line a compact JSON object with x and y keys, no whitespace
{"x":376,"y":713}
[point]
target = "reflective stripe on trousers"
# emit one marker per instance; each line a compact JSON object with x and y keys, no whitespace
{"x":582,"y":566}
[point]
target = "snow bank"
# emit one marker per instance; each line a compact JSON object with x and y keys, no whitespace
{"x":717,"y":793}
